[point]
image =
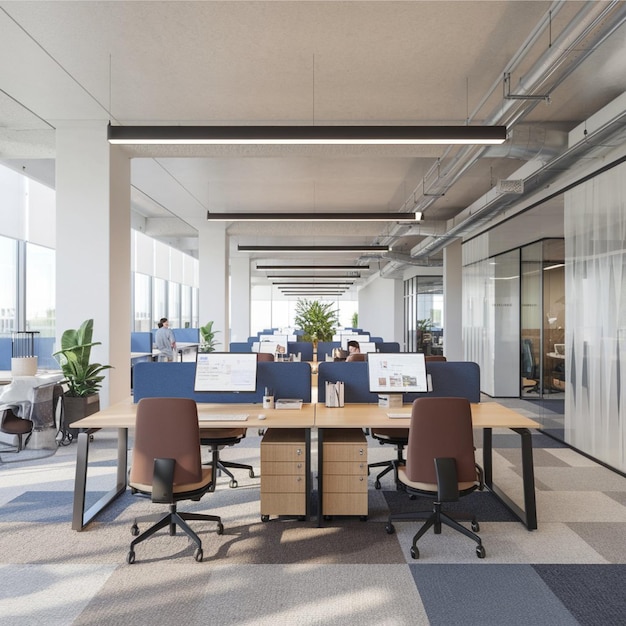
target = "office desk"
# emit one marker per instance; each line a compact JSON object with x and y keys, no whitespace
{"x":485,"y":415}
{"x":121,"y":416}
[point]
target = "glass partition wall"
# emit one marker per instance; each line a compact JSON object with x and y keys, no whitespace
{"x":542,"y":320}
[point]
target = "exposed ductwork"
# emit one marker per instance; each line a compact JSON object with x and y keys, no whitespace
{"x":592,"y":25}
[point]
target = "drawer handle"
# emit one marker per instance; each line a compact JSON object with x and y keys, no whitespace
{"x":299,"y":465}
{"x":361,"y":478}
{"x":299,"y":479}
{"x":361,"y":465}
{"x":361,"y":451}
{"x":299,"y":451}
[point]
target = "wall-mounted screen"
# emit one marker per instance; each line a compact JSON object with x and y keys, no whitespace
{"x":225,"y":371}
{"x":397,"y":372}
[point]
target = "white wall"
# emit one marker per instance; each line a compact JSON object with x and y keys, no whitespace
{"x":381,"y":310}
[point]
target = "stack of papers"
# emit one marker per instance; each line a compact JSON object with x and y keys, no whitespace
{"x":289,"y":403}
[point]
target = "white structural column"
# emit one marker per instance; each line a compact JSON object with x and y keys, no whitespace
{"x":93,"y":247}
{"x":453,"y":302}
{"x":380,"y":309}
{"x":213,"y":278}
{"x":240,"y":298}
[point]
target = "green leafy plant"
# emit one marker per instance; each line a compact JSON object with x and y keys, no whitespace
{"x":355,"y":320}
{"x":207,"y":334}
{"x":82,"y":377}
{"x":317,"y":320}
{"x":424,"y":325}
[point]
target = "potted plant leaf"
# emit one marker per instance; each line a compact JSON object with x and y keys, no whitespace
{"x":207,"y":335}
{"x":317,"y":320}
{"x":83,"y":379}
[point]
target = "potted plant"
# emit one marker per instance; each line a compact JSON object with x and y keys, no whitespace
{"x":317,"y":320}
{"x":207,"y":335}
{"x":83,"y":379}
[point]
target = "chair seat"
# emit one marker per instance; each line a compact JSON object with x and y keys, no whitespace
{"x":14,"y":425}
{"x":428,"y":487}
{"x":391,"y":434}
{"x":222,"y":433}
{"x":180,"y":490}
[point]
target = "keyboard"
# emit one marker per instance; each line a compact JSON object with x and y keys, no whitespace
{"x":223,"y":417}
{"x":405,"y":415}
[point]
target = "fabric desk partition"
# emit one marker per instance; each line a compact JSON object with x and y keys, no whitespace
{"x":176,"y":380}
{"x":460,"y":379}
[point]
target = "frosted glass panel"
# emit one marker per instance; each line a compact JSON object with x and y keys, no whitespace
{"x":595,"y":231}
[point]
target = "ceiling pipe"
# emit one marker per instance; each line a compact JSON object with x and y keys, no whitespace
{"x":605,"y":19}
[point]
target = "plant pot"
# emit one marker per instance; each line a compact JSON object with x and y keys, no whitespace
{"x":77,"y":408}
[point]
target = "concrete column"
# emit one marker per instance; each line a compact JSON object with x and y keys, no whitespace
{"x":214,"y":281}
{"x":93,"y":247}
{"x":240,"y":298}
{"x":453,"y":302}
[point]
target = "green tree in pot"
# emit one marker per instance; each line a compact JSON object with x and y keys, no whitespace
{"x":317,"y":320}
{"x":83,"y":379}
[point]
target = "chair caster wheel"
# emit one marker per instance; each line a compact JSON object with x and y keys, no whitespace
{"x":390,"y":529}
{"x":233,"y":484}
{"x":134,"y":530}
{"x":475,"y":526}
{"x":220,"y":528}
{"x":265,"y":518}
{"x":377,"y":484}
{"x":363,"y":518}
{"x":480,"y":552}
{"x":130,"y":557}
{"x":415,"y":553}
{"x":328,"y":518}
{"x":251,"y":473}
{"x":198,"y":554}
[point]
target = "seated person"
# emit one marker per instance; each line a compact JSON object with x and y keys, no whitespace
{"x":339,"y":354}
{"x":354,"y":347}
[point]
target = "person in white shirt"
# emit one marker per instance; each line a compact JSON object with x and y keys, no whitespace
{"x":164,"y":340}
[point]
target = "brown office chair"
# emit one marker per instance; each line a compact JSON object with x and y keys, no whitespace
{"x":12,"y":424}
{"x":440,"y":463}
{"x":394,"y":437}
{"x":264,"y":356}
{"x":356,"y":357}
{"x":218,"y":438}
{"x":166,"y":465}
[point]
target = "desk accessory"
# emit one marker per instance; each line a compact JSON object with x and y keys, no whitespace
{"x":335,"y":394}
{"x":289,"y":403}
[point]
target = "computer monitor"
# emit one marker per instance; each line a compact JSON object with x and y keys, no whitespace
{"x":367,"y":346}
{"x":225,"y":371}
{"x":397,"y":372}
{"x":278,"y":340}
{"x":359,"y":338}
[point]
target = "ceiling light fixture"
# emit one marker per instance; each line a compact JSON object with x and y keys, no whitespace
{"x":352,"y":275}
{"x":299,"y":284}
{"x":313,"y":248}
{"x":305,"y":135}
{"x":317,"y":268}
{"x":314,"y":217}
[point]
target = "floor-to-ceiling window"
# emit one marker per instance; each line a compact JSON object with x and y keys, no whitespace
{"x":423,"y":314}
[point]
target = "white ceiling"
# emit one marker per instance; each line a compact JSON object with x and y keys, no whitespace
{"x":303,"y":63}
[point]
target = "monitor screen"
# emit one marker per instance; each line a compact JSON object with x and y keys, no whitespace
{"x":359,"y":338}
{"x":367,"y":346}
{"x":277,"y":340}
{"x":225,"y":371}
{"x":397,"y":372}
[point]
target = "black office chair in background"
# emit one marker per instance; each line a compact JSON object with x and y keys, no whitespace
{"x":440,"y":464}
{"x":530,"y":370}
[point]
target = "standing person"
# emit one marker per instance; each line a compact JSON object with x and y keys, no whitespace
{"x":354,"y":347}
{"x":164,"y":340}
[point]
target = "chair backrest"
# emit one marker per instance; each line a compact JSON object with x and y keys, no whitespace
{"x":166,"y":428}
{"x":44,"y":404}
{"x":356,"y":357}
{"x":440,"y":428}
{"x":264,"y":356}
{"x":528,"y":359}
{"x":431,"y":358}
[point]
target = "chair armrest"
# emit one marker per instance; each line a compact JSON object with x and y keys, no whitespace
{"x":163,"y":480}
{"x":447,"y":482}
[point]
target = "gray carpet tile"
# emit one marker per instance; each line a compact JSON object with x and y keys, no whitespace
{"x":606,"y":538}
{"x":593,"y":594}
{"x":488,"y":596}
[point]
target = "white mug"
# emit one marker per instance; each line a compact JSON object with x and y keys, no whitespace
{"x":268,"y":402}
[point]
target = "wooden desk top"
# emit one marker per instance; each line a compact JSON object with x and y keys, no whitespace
{"x":484,"y":415}
{"x":122,"y":415}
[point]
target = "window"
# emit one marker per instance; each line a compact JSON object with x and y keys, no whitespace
{"x":8,"y":284}
{"x":40,"y":289}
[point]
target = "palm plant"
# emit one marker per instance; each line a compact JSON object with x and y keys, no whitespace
{"x":317,"y":320}
{"x":207,"y":334}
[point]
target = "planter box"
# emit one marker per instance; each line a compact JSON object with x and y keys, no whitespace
{"x":77,"y":408}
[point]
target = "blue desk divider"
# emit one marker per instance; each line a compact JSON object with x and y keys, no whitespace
{"x":187,"y":335}
{"x":326,"y":348}
{"x":458,"y":379}
{"x":5,"y":353}
{"x":376,"y":339}
{"x":387,"y":346}
{"x":239,"y":346}
{"x":175,"y":380}
{"x":141,"y":342}
{"x":304,"y":347}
